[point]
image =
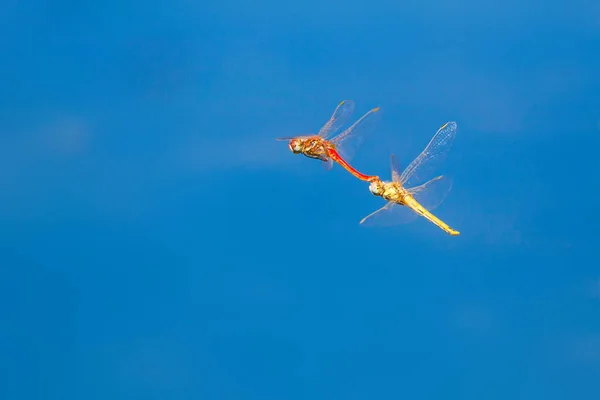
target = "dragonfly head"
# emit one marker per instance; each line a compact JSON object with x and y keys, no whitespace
{"x":295,"y":146}
{"x":376,"y":187}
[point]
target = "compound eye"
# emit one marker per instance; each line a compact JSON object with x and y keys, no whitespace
{"x":375,"y":188}
{"x":295,"y":146}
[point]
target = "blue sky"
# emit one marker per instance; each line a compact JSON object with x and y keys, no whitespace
{"x":158,"y":243}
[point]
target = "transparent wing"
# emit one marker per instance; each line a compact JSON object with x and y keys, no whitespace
{"x":339,"y":117}
{"x":432,"y":193}
{"x":350,"y":140}
{"x":432,"y":157}
{"x":389,"y":215}
{"x":293,"y":137}
{"x":327,"y":165}
{"x":395,"y":168}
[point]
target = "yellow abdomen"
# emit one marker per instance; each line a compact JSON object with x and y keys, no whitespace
{"x":409,"y":201}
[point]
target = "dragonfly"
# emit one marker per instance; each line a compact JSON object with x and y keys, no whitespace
{"x":405,"y":200}
{"x":342,"y":147}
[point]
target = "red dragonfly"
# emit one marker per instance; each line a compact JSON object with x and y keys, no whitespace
{"x":343,"y":146}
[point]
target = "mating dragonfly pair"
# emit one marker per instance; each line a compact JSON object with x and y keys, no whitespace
{"x":405,"y":200}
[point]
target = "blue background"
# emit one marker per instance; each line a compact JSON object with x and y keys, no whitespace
{"x":158,"y":243}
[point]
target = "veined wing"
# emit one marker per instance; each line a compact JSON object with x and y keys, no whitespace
{"x":350,"y":140}
{"x":395,"y":168}
{"x":287,"y":138}
{"x":433,"y":156}
{"x":432,"y":193}
{"x":389,"y":215}
{"x":327,"y":165}
{"x":339,"y":117}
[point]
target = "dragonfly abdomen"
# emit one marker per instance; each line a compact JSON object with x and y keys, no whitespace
{"x":409,"y":201}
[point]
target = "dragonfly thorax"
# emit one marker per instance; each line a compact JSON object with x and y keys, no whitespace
{"x":393,"y":192}
{"x":314,"y":147}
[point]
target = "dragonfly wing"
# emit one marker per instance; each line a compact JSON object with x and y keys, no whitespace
{"x":350,"y":140}
{"x":293,"y":137}
{"x":328,"y":165}
{"x":395,"y":168}
{"x":389,"y":215}
{"x":339,"y":117}
{"x":432,"y":157}
{"x":432,"y":193}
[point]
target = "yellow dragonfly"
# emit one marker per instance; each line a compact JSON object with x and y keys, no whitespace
{"x":405,"y":200}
